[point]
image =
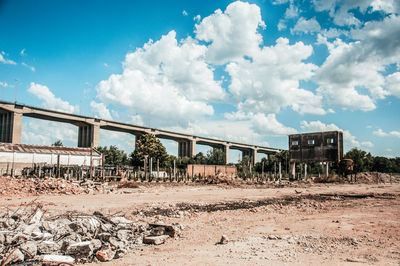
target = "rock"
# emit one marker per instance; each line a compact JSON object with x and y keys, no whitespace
{"x":30,"y":229}
{"x":155,"y":240}
{"x":158,"y":231}
{"x":96,"y":244}
{"x":224,"y":240}
{"x":36,"y":217}
{"x":106,"y":227}
{"x":115,"y":243}
{"x":42,"y":236}
{"x":123,"y":235}
{"x":31,"y":247}
{"x":274,"y":237}
{"x":105,"y":254}
{"x":57,"y":259}
{"x":104,"y":236}
{"x":80,"y":249}
{"x":78,"y":227}
{"x":121,"y":220}
{"x":47,"y":247}
{"x":92,"y":224}
{"x":16,"y":256}
{"x":171,"y":230}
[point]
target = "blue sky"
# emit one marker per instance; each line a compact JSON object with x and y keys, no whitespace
{"x":251,"y":71}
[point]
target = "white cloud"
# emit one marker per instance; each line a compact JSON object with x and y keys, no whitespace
{"x":271,"y":80}
{"x":282,"y":25}
{"x":33,"y":69}
{"x":342,"y":11}
{"x":22,"y":52}
{"x":292,"y":11}
{"x":393,"y":84}
{"x":307,"y":26}
{"x":185,"y":13}
{"x":6,"y":61}
{"x":381,"y":133}
{"x":167,"y":79}
{"x":232,"y":34}
{"x":197,"y":18}
{"x":270,"y":126}
{"x":100,"y":110}
{"x":349,"y":140}
{"x":49,"y":100}
{"x":42,"y":132}
{"x":3,"y":84}
{"x":352,"y":67}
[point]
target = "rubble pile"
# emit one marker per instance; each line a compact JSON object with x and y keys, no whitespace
{"x":219,"y":178}
{"x":375,"y":177}
{"x":10,"y":186}
{"x":74,"y":238}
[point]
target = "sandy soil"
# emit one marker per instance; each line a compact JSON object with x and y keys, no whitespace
{"x":305,"y":224}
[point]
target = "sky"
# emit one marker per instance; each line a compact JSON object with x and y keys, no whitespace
{"x":244,"y":71}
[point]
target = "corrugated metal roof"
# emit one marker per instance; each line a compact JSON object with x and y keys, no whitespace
{"x":25,"y":148}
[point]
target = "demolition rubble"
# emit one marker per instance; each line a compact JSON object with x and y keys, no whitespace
{"x":74,"y":238}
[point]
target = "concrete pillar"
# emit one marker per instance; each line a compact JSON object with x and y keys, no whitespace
{"x":192,"y":148}
{"x":327,"y":168}
{"x":280,"y":171}
{"x":89,"y":135}
{"x":292,"y":170}
{"x":226,"y":149}
{"x":10,"y":127}
{"x":254,"y":156}
{"x":305,"y":171}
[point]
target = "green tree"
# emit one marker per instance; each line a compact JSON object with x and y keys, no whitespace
{"x":148,"y":145}
{"x":200,"y":158}
{"x":58,"y":143}
{"x":383,"y":164}
{"x":361,"y":159}
{"x":113,"y":156}
{"x":216,"y":156}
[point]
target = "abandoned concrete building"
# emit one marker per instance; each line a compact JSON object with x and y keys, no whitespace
{"x":323,"y":147}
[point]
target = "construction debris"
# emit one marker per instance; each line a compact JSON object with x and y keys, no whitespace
{"x":74,"y":238}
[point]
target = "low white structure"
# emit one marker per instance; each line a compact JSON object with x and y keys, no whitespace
{"x":19,"y":156}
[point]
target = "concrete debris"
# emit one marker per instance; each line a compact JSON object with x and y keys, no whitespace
{"x":74,"y":238}
{"x":11,"y":186}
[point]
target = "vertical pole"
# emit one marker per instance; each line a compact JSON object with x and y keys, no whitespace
{"x":58,"y":165}
{"x":12,"y":169}
{"x":262,"y":169}
{"x":174,"y":168}
{"x":305,"y":171}
{"x":280,"y":171}
{"x":151,"y":169}
{"x":327,"y":169}
{"x":158,"y":169}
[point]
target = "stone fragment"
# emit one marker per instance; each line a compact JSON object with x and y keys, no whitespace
{"x":104,"y":236}
{"x":155,"y":240}
{"x":47,"y":247}
{"x":105,"y":254}
{"x":121,"y":220}
{"x":106,"y":227}
{"x":80,"y":249}
{"x":171,"y":230}
{"x":224,"y":240}
{"x":96,"y":244}
{"x":31,"y":247}
{"x":57,"y":259}
{"x":36,"y":217}
{"x":30,"y":229}
{"x":157,"y":231}
{"x":115,"y":243}
{"x":16,"y":256}
{"x":123,"y":235}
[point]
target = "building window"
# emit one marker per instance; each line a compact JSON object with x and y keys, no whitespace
{"x":295,"y":142}
{"x":330,"y":140}
{"x":311,"y":142}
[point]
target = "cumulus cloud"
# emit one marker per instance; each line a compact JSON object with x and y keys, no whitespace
{"x":232,"y":34}
{"x":342,"y":12}
{"x":100,"y":110}
{"x":270,"y":126}
{"x":167,"y":78}
{"x":49,"y":100}
{"x":393,"y":84}
{"x":349,"y":140}
{"x":6,"y":61}
{"x":185,"y":13}
{"x":351,"y":67}
{"x":3,"y":84}
{"x":292,"y":11}
{"x":271,"y":80}
{"x":381,"y":133}
{"x":306,"y":26}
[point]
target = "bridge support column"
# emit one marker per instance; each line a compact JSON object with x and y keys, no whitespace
{"x":89,"y":135}
{"x":186,"y":148}
{"x":255,"y":156}
{"x":10,"y":127}
{"x":226,"y":150}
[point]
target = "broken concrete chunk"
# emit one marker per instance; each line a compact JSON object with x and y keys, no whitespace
{"x":157,"y":231}
{"x":171,"y":230}
{"x":155,"y":240}
{"x":96,"y":244}
{"x":105,"y":254}
{"x":36,"y":217}
{"x":31,"y":247}
{"x":104,"y":236}
{"x":57,"y":259}
{"x":80,"y":249}
{"x":121,"y":220}
{"x":30,"y":229}
{"x":115,"y":243}
{"x":16,"y":256}
{"x":47,"y":247}
{"x":123,"y":235}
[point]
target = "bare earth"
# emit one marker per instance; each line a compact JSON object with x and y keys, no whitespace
{"x":306,"y":224}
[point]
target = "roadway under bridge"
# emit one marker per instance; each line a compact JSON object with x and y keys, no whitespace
{"x":89,"y":131}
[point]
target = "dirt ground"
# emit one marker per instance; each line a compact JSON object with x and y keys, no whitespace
{"x":311,"y":224}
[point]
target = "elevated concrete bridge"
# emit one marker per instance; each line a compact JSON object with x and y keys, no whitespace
{"x":89,"y":131}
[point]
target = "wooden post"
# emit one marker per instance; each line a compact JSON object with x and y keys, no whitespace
{"x":58,"y":166}
{"x":158,"y":169}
